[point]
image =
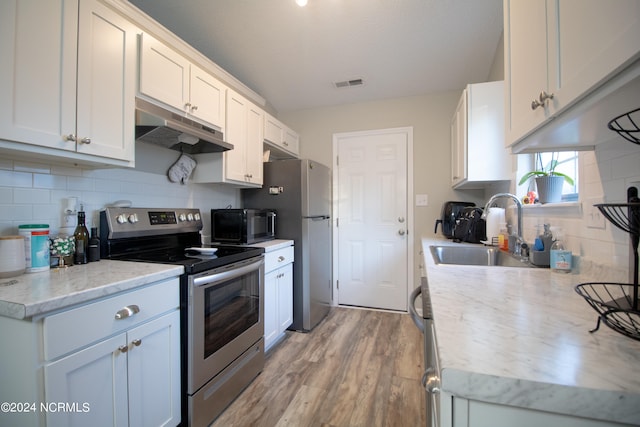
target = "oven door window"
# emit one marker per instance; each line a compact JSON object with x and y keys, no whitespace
{"x":230,"y":308}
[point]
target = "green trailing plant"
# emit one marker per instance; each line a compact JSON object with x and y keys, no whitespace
{"x":548,"y":170}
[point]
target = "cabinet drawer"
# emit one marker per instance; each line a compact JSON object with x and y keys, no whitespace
{"x":75,"y":328}
{"x":278,"y":258}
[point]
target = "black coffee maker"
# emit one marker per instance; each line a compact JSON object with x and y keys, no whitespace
{"x":450,"y":211}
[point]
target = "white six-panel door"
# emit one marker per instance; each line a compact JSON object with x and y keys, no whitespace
{"x":372,"y":221}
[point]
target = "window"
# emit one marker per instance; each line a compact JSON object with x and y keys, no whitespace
{"x":567,"y":164}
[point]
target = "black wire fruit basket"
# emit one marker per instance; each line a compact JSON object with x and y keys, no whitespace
{"x":617,"y":303}
{"x":627,"y":126}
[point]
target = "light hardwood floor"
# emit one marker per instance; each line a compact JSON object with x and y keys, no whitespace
{"x":357,"y":368}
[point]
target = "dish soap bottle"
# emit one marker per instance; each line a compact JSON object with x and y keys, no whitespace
{"x":560,"y":258}
{"x":503,"y":237}
{"x":81,"y":237}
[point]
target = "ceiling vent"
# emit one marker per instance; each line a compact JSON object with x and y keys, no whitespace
{"x":348,"y":83}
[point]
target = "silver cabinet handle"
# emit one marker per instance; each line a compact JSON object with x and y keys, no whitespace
{"x":401,"y":219}
{"x":85,"y":140}
{"x":187,"y":105}
{"x":535,"y":104}
{"x":70,"y":137}
{"x":401,"y":232}
{"x":194,"y":108}
{"x":127,"y":311}
{"x":123,"y":348}
{"x":542,"y":99}
{"x":281,"y":258}
{"x":544,"y":96}
{"x":137,"y":342}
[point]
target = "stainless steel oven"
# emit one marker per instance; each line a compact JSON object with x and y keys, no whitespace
{"x":431,"y":376}
{"x":221,"y":301}
{"x":225,"y":336}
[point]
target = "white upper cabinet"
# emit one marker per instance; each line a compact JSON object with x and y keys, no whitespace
{"x":557,"y":54}
{"x":283,"y":141}
{"x":68,"y":81}
{"x":169,"y":77}
{"x":241,"y":166}
{"x":478,"y":154}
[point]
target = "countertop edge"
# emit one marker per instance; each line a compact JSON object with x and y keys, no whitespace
{"x":543,"y":396}
{"x":27,"y":310}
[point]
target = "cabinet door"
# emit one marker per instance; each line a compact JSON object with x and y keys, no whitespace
{"x":207,"y":97}
{"x":164,"y":73}
{"x":590,"y":40}
{"x":255,"y":117}
{"x":291,"y":141}
{"x":38,"y":71}
{"x":94,"y":381}
{"x":270,"y":308}
{"x":273,"y":130}
{"x":236,"y":134}
{"x":525,"y":26}
{"x":285,"y":297}
{"x":107,"y":45}
{"x":154,"y":372}
{"x":459,"y":141}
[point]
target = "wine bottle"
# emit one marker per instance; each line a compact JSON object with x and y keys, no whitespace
{"x":94,"y":245}
{"x":81,"y":236}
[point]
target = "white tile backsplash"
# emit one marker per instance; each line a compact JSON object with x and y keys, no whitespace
{"x":605,"y":173}
{"x":37,"y":193}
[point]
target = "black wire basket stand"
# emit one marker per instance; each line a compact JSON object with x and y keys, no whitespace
{"x":627,"y":125}
{"x":617,"y":303}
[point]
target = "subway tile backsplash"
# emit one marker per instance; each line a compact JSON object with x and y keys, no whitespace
{"x":37,"y":193}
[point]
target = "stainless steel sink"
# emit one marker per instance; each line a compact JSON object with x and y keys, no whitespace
{"x":476,"y":255}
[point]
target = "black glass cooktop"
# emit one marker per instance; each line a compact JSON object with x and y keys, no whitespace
{"x":193,"y":261}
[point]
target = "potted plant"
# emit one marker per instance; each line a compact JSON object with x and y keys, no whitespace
{"x":549,"y":182}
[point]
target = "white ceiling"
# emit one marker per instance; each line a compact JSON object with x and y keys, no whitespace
{"x":292,"y":56}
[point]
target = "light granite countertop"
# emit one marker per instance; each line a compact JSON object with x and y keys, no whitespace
{"x":35,"y":294}
{"x":520,"y":337}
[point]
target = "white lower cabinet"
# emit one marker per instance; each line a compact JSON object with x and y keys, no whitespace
{"x":115,"y":362}
{"x":472,"y":413}
{"x":128,"y":379}
{"x":278,"y":295}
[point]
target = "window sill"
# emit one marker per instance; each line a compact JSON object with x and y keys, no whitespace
{"x":562,"y":208}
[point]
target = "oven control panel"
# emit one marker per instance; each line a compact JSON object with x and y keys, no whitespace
{"x":135,"y":222}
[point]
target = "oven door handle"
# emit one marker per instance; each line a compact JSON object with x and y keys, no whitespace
{"x":227,"y":275}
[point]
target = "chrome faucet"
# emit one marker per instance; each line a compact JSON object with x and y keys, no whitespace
{"x":520,"y":240}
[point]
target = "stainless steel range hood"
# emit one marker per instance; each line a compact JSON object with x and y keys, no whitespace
{"x":158,"y":126}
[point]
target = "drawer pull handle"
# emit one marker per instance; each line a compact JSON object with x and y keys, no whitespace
{"x":127,"y":311}
{"x":280,"y":258}
{"x":123,"y":348}
{"x":137,"y":342}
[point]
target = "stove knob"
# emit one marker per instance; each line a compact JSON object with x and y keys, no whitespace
{"x":121,"y":219}
{"x":190,"y":217}
{"x":196,"y":216}
{"x":133,"y":218}
{"x":182,"y":217}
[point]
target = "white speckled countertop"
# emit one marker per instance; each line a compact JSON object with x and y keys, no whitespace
{"x":35,"y":294}
{"x":520,"y":337}
{"x":273,"y":245}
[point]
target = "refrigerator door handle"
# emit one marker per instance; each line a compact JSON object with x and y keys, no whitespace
{"x":273,"y":222}
{"x":317,"y":217}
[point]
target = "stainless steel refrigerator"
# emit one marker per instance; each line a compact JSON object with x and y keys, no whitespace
{"x":300,"y":192}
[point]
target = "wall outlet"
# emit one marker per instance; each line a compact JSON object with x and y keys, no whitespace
{"x":422,"y":200}
{"x":593,"y":216}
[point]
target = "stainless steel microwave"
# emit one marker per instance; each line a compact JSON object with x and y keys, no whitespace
{"x":242,"y":226}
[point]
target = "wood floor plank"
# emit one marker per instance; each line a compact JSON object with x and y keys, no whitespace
{"x":357,"y":368}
